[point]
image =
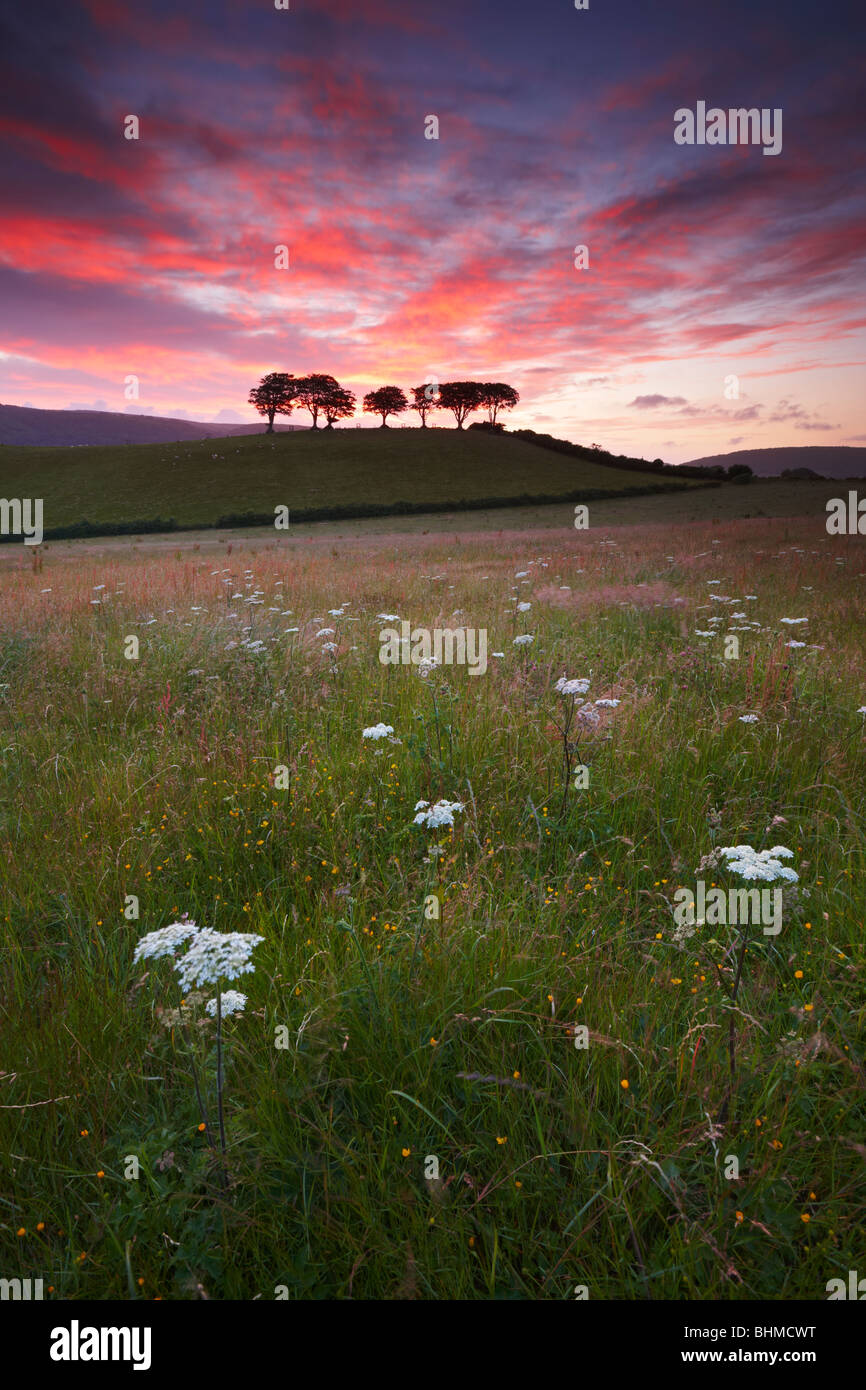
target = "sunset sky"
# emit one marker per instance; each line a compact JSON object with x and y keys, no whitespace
{"x":452,"y":258}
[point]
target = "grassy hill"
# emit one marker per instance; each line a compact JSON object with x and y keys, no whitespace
{"x":345,"y":472}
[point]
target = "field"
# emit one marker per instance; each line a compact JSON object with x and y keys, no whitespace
{"x":198,"y":483}
{"x":410,"y":1109}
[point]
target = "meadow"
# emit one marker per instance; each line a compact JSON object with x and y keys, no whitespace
{"x":420,"y":994}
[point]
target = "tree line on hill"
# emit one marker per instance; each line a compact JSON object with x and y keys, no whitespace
{"x":279,"y":392}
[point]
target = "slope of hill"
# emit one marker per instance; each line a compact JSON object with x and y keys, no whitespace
{"x":28,"y":425}
{"x":325,"y":473}
{"x":830,"y":461}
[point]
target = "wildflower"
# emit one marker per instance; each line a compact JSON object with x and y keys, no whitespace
{"x":441,"y":813}
{"x":502,"y":1139}
{"x":572,"y":687}
{"x":202,"y":1127}
{"x":376,"y":731}
{"x":748,"y":719}
{"x":101,"y":1173}
{"x":524,"y":640}
{"x":406,"y":1152}
{"x":765,"y":864}
{"x":164,"y":942}
{"x":624,"y":1085}
{"x":606,"y":704}
{"x":523,"y":607}
{"x":793,"y":621}
{"x":231,"y":1002}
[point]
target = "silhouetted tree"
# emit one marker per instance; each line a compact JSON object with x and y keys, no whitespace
{"x":460,"y":397}
{"x":274,"y":395}
{"x":424,"y":402}
{"x":313,"y":392}
{"x":388,"y":400}
{"x":338,"y":404}
{"x":496,"y":396}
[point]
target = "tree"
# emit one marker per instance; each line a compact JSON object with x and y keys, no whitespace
{"x":388,"y":400}
{"x":496,"y":395}
{"x":425,"y":399}
{"x":274,"y":395}
{"x":338,"y":404}
{"x":460,"y":397}
{"x":313,"y":393}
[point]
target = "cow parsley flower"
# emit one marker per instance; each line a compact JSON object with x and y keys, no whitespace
{"x":791,"y":622}
{"x":231,"y":1002}
{"x":523,"y":607}
{"x":765,"y":864}
{"x":165,"y":941}
{"x":378,"y":731}
{"x":439,"y":814}
{"x":748,"y":719}
{"x":524,"y":640}
{"x":572,"y":687}
{"x":214,"y":956}
{"x":607,"y":704}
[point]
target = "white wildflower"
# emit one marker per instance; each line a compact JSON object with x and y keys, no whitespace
{"x":439,"y":814}
{"x":378,"y":731}
{"x":572,"y":687}
{"x":214,"y":956}
{"x":765,"y":864}
{"x":165,"y":941}
{"x":231,"y":1002}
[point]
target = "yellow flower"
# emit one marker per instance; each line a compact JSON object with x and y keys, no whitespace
{"x":433,"y":1042}
{"x":807,"y":1008}
{"x":624,"y":1085}
{"x":804,"y":1216}
{"x":503,"y":1139}
{"x":101,"y":1173}
{"x":201,"y":1128}
{"x":22,"y":1231}
{"x":406,"y":1152}
{"x":739,"y":1215}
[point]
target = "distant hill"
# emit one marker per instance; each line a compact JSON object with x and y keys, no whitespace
{"x":318,"y":475}
{"x":22,"y":424}
{"x":830,"y":461}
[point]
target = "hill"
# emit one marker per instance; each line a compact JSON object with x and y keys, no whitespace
{"x":30,"y":426}
{"x":317,"y":475}
{"x":830,"y":461}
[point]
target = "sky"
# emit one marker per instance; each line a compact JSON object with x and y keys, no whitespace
{"x":722,"y":305}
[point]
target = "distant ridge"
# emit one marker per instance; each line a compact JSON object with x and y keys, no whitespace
{"x":33,"y":427}
{"x":829,"y":460}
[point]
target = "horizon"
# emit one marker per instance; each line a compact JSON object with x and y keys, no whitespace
{"x":714,"y":308}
